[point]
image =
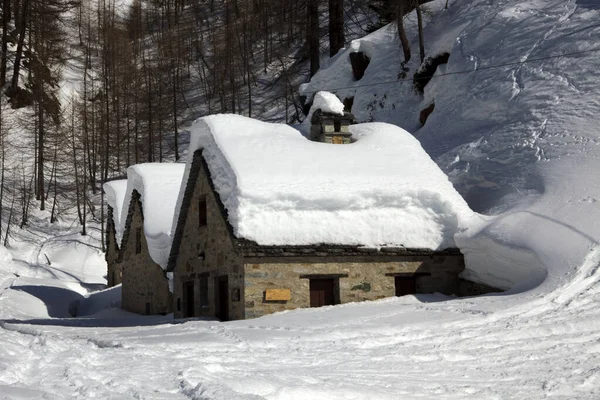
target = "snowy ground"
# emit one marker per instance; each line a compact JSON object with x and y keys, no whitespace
{"x":529,"y":345}
{"x":522,"y":140}
{"x":532,"y":344}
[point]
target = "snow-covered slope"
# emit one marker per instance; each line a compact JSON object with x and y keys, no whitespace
{"x":280,"y":188}
{"x":515,"y":124}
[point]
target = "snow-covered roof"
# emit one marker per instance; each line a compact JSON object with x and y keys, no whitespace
{"x":328,"y":102}
{"x":279,"y":188}
{"x":158,"y":185}
{"x":115,"y":196}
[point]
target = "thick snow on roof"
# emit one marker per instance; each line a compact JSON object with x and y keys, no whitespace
{"x":328,"y":102}
{"x":115,"y":197}
{"x":158,"y":185}
{"x":281,"y":189}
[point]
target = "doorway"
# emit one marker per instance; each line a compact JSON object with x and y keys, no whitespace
{"x":222,"y":298}
{"x":322,"y":292}
{"x":405,"y":285}
{"x":188,"y":295}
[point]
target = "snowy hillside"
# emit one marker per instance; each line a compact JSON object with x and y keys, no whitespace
{"x":515,"y":125}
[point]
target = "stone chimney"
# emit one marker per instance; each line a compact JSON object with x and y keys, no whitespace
{"x":330,"y":128}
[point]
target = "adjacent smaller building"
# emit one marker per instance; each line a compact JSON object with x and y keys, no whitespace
{"x":142,"y":240}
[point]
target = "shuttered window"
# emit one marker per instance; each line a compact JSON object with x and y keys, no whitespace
{"x":202,"y":215}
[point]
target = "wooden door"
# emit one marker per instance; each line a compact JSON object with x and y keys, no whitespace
{"x":188,"y":294}
{"x":337,"y":140}
{"x":223,"y":298}
{"x":322,"y":292}
{"x":405,"y":285}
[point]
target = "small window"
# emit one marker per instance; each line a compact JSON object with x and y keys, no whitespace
{"x":179,"y":304}
{"x":337,"y":125}
{"x":204,"y":291}
{"x":202,"y":215}
{"x":138,"y":240}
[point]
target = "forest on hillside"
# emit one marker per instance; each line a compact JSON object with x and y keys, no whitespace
{"x":90,"y":87}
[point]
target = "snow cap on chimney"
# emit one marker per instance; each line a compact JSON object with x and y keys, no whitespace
{"x":329,"y":122}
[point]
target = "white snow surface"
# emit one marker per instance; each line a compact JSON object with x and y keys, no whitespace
{"x":279,"y":188}
{"x":158,"y":185}
{"x":533,"y":342}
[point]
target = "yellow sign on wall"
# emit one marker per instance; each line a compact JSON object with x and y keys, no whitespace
{"x":278,"y":295}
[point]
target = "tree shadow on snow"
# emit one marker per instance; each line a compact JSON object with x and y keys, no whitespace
{"x":122,"y":322}
{"x":59,"y":302}
{"x":593,"y":4}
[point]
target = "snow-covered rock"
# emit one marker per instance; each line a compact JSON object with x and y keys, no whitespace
{"x":280,"y":188}
{"x":158,"y":185}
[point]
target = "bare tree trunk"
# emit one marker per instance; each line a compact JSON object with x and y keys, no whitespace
{"x":421,"y":39}
{"x":76,"y":170}
{"x":3,"y":166}
{"x":312,"y":36}
{"x":402,"y":31}
{"x":19,"y":54}
{"x":53,"y":217}
{"x":10,"y":215}
{"x":40,"y":160}
{"x":336,"y":26}
{"x":5,"y":21}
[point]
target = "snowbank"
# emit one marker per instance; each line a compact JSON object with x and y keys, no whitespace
{"x":280,"y":188}
{"x":101,"y":300}
{"x":158,"y":185}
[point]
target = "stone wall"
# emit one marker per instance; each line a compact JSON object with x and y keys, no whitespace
{"x":114,"y":273}
{"x":145,"y":286}
{"x":206,"y":251}
{"x":370,"y":278}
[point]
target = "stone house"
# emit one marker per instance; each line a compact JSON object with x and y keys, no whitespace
{"x":220,"y":271}
{"x":140,"y":256}
{"x":145,"y":287}
{"x":217,"y":274}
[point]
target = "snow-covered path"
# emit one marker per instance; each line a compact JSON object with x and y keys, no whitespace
{"x":528,"y":345}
